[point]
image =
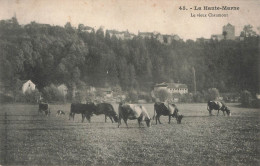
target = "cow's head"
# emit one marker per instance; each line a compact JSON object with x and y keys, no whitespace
{"x":115,"y":118}
{"x":179,"y":118}
{"x":228,"y":111}
{"x":148,"y":122}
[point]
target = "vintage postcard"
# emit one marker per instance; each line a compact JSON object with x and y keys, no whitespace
{"x":129,"y":82}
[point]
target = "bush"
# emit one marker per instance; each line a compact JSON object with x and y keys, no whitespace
{"x":145,"y":96}
{"x":52,"y":94}
{"x":90,"y":97}
{"x":32,"y":96}
{"x":5,"y":99}
{"x":255,"y":103}
{"x":246,"y":98}
{"x":198,"y":97}
{"x":213,"y":94}
{"x":186,"y":98}
{"x":132,"y":96}
{"x":162,"y":94}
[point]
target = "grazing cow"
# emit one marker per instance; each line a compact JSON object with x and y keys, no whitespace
{"x":107,"y":110}
{"x":217,"y":105}
{"x":131,"y":112}
{"x":59,"y":113}
{"x":44,"y":107}
{"x":162,"y":109}
{"x":86,"y":110}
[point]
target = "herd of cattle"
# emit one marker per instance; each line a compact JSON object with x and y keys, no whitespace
{"x":129,"y":111}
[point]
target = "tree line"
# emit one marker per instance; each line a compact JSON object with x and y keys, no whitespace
{"x":49,"y":54}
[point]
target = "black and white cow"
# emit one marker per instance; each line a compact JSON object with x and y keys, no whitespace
{"x":60,"y":113}
{"x":166,"y":110}
{"x":217,"y":105}
{"x":131,"y":112}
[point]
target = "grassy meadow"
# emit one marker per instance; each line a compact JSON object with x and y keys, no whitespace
{"x":31,"y":139}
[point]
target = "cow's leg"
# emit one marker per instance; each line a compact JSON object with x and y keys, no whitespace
{"x":218,"y":112}
{"x":125,"y":120}
{"x":159,"y":119}
{"x":89,"y":120}
{"x":72,"y":115}
{"x":83,"y":117}
{"x":156,"y":118}
{"x":105,"y":118}
{"x":49,"y":112}
{"x":139,"y":122}
{"x":224,"y":113}
{"x":169,"y":119}
{"x":210,"y":112}
{"x":119,"y":121}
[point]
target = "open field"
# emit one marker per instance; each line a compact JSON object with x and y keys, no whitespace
{"x":33,"y":139}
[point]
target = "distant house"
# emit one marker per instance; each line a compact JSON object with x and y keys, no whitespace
{"x":124,"y":35}
{"x":172,"y":87}
{"x":28,"y":86}
{"x":148,"y":35}
{"x":87,"y":29}
{"x":167,"y":39}
{"x":63,"y":89}
{"x":91,"y":89}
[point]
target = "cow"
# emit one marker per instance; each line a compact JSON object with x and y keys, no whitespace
{"x":217,"y":105}
{"x":131,"y":112}
{"x":86,"y":110}
{"x":44,"y":107}
{"x":59,"y":113}
{"x":161,"y":109}
{"x":107,"y":110}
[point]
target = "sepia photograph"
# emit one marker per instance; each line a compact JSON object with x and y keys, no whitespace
{"x":130,"y":82}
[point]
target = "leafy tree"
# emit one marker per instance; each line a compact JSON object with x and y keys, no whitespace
{"x":246,"y":98}
{"x":213,"y":94}
{"x":162,"y":94}
{"x":248,"y":31}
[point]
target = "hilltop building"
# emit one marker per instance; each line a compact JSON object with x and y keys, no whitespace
{"x":164,"y":39}
{"x":172,"y":88}
{"x":124,"y":35}
{"x":228,"y":33}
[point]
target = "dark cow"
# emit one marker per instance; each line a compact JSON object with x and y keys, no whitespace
{"x":86,"y":110}
{"x":131,"y":112}
{"x":161,"y":109}
{"x":107,"y":110}
{"x":59,"y":113}
{"x":217,"y":105}
{"x":44,"y":107}
{"x":179,"y":118}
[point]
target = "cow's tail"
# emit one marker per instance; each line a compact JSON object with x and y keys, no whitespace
{"x":208,"y":106}
{"x":153,"y":113}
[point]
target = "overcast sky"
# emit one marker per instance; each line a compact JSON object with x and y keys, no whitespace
{"x":162,"y":16}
